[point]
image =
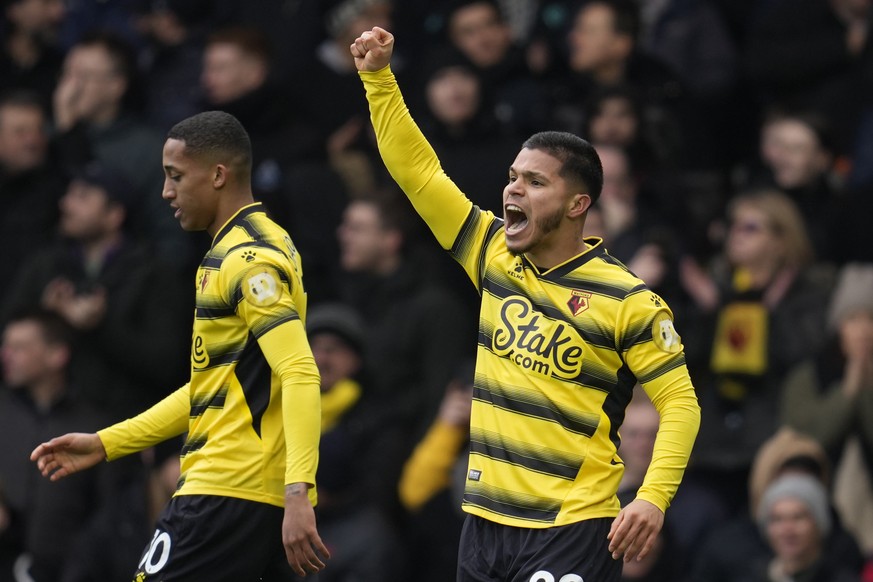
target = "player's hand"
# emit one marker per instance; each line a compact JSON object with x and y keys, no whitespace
{"x":299,"y":534}
{"x":68,"y":454}
{"x":634,"y":531}
{"x":372,"y":50}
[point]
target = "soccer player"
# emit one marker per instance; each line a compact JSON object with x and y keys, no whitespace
{"x":252,"y":406}
{"x":565,"y":331}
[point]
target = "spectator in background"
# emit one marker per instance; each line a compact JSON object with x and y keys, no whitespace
{"x":362,"y":539}
{"x":861,"y":152}
{"x":623,"y":220}
{"x":29,"y":186}
{"x":761,"y":311}
{"x":691,"y":514}
{"x":810,"y":55}
{"x":604,"y":53}
{"x":692,"y":38}
{"x":335,"y":106}
{"x":125,"y":520}
{"x":830,"y":398}
{"x":614,"y":117}
{"x":796,"y":156}
{"x":638,"y":432}
{"x":634,"y":223}
{"x":275,"y":19}
{"x":127,"y":309}
{"x":96,"y":120}
{"x":290,"y":172}
{"x":172,"y":54}
{"x":236,"y":79}
{"x":431,"y":486}
{"x":36,"y":402}
{"x":30,"y":57}
{"x":415,"y":330}
{"x":478,"y":30}
{"x":794,"y":515}
{"x":471,"y":142}
{"x":736,"y":549}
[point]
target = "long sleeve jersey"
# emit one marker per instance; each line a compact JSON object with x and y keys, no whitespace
{"x":559,"y":352}
{"x":252,"y":408}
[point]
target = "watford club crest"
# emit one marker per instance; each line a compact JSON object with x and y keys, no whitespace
{"x":204,"y":280}
{"x":578,"y":302}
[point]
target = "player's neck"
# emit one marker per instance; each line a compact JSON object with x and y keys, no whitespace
{"x":545,"y":256}
{"x":229,"y":205}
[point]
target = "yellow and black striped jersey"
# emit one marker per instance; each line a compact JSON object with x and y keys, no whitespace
{"x":252,"y":406}
{"x":559,"y":353}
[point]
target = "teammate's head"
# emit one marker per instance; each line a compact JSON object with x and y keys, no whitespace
{"x":207,"y":159}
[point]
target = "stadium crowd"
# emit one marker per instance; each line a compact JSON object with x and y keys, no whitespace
{"x":736,"y":138}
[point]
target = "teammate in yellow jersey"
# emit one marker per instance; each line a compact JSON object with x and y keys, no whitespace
{"x":565,"y":332}
{"x":244,"y":506}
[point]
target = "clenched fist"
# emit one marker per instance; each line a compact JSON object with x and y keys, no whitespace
{"x":372,"y":50}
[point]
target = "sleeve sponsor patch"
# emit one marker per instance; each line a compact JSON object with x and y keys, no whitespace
{"x":261,"y":286}
{"x":664,"y":334}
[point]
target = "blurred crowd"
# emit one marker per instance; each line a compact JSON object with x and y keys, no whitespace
{"x":737,"y":145}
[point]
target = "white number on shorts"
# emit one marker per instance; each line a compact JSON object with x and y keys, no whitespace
{"x":543,"y":576}
{"x":161,"y":540}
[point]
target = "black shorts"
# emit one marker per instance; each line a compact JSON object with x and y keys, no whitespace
{"x":491,"y":552}
{"x":210,"y":538}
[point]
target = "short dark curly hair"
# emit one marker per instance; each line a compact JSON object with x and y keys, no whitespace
{"x":216,"y":136}
{"x":579,"y":159}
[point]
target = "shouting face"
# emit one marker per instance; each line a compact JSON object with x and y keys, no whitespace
{"x":536,"y":203}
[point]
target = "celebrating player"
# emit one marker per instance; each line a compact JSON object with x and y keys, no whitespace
{"x":565,"y":332}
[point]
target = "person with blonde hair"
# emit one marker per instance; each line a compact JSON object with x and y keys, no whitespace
{"x":761,"y":310}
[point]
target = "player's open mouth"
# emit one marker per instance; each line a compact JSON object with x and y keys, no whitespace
{"x":514,"y":219}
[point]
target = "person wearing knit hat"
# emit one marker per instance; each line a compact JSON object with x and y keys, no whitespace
{"x":740,"y":548}
{"x":805,"y":489}
{"x":786,"y":447}
{"x":362,"y":538}
{"x":339,"y":319}
{"x":794,"y":517}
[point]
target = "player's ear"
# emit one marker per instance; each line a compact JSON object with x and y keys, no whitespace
{"x":219,"y":176}
{"x":579,"y":203}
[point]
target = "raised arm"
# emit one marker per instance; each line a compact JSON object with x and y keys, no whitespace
{"x":407,"y":155}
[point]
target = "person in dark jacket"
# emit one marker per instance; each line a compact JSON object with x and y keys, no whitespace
{"x":128,"y":310}
{"x":36,"y":402}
